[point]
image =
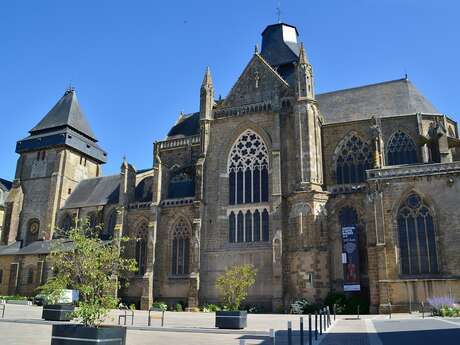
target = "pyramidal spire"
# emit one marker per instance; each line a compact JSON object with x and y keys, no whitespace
{"x":303,"y":60}
{"x":65,"y":113}
{"x":207,"y":80}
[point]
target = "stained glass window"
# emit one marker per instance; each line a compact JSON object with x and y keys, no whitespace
{"x":181,"y":248}
{"x":401,"y":149}
{"x":354,"y":158}
{"x":417,"y":242}
{"x":141,"y":247}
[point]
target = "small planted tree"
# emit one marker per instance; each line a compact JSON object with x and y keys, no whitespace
{"x":85,"y":263}
{"x":234,"y":284}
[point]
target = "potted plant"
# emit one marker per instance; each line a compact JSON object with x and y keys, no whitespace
{"x":55,"y":306}
{"x":233,"y":285}
{"x":90,"y":266}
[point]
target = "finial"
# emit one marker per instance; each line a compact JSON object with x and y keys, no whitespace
{"x":70,"y":89}
{"x":278,"y":12}
{"x":256,"y":49}
{"x":207,"y":80}
{"x":302,"y":55}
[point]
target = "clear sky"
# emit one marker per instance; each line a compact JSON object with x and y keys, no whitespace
{"x":137,"y":64}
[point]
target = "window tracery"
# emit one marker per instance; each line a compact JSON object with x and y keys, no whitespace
{"x":353,"y":159}
{"x":401,"y":149}
{"x":181,"y":248}
{"x":141,"y":247}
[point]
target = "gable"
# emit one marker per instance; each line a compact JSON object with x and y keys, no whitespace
{"x":259,"y":82}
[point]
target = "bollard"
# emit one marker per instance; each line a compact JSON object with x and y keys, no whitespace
{"x":334,"y":308}
{"x":272,"y":335}
{"x":320,"y":323}
{"x":316,"y":325}
{"x":289,"y":333}
{"x":309,"y":330}
{"x":328,"y":316}
{"x":301,"y":331}
{"x":423,"y":310}
{"x":358,"y":311}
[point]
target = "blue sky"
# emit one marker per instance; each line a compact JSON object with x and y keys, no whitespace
{"x":137,"y":64}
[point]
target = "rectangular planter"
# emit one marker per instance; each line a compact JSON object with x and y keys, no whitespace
{"x":71,"y":334}
{"x":231,"y":319}
{"x":57,"y":312}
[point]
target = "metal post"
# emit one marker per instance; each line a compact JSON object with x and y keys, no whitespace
{"x":335,"y":310}
{"x":289,"y":333}
{"x":423,"y":310}
{"x":309,"y":330}
{"x":320,"y":322}
{"x":301,"y":331}
{"x":358,"y":311}
{"x":389,"y":308}
{"x":316,"y":325}
{"x":328,"y":316}
{"x":149,"y":320}
{"x":162,"y":318}
{"x":272,"y":335}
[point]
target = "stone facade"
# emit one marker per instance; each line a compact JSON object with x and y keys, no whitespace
{"x":272,"y":175}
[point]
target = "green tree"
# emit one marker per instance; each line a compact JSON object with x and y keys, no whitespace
{"x":86,"y":263}
{"x":234,"y":284}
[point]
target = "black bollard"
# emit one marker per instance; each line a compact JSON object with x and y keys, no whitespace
{"x":334,"y":308}
{"x":358,"y":311}
{"x":309,"y":330}
{"x":316,"y":325}
{"x":320,"y":322}
{"x":289,"y":333}
{"x":301,"y":331}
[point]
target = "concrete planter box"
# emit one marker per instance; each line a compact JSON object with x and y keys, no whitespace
{"x":57,"y":312}
{"x":231,"y":319}
{"x":81,"y":335}
{"x":20,"y":302}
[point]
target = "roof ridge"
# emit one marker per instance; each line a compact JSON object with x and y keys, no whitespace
{"x":364,"y":86}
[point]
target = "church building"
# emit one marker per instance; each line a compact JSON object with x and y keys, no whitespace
{"x":351,"y":191}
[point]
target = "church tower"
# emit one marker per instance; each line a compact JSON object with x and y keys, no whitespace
{"x":60,"y":151}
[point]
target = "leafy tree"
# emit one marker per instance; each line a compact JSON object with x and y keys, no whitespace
{"x":86,"y":263}
{"x":234,"y":284}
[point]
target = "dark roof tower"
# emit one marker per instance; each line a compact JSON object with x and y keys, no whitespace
{"x":65,"y":124}
{"x":281,"y":49}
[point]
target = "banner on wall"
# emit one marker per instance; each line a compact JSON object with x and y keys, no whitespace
{"x":350,"y":259}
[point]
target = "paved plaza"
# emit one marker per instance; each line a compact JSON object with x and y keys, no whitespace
{"x":22,"y":325}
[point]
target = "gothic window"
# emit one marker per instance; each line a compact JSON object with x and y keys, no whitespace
{"x":181,"y":248}
{"x":353,"y":159}
{"x":1,"y":276}
{"x":417,"y":242}
{"x":182,"y":183}
{"x":348,"y":217}
{"x":141,"y":247}
{"x":33,"y":228}
{"x":250,"y":226}
{"x":401,"y":149}
{"x":109,"y":230}
{"x":248,"y":170}
{"x":66,"y":224}
{"x":92,"y":220}
{"x":30,"y":276}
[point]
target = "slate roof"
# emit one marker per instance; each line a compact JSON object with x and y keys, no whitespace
{"x":65,"y":124}
{"x":5,"y":184}
{"x":96,"y":191}
{"x":189,"y":125}
{"x":66,"y":112}
{"x":396,"y":97}
{"x":10,"y":249}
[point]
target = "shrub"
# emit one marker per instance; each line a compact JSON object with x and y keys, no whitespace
{"x":346,"y":304}
{"x":302,"y":306}
{"x":85,"y":263}
{"x":254,"y":309}
{"x":440,"y":302}
{"x":14,"y":298}
{"x":210,"y":308}
{"x":160,"y":305}
{"x":179,"y":307}
{"x":234,"y":284}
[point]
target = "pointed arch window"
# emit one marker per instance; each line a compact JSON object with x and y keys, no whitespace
{"x":181,"y":248}
{"x":33,"y":229}
{"x":249,"y":226}
{"x":108,"y":232}
{"x":248,"y":170}
{"x":66,"y":225}
{"x":401,"y":149}
{"x":353,"y":159}
{"x":417,"y":241}
{"x":141,"y":247}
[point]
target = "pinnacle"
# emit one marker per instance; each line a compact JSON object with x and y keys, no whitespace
{"x":302,"y":55}
{"x":207,"y":80}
